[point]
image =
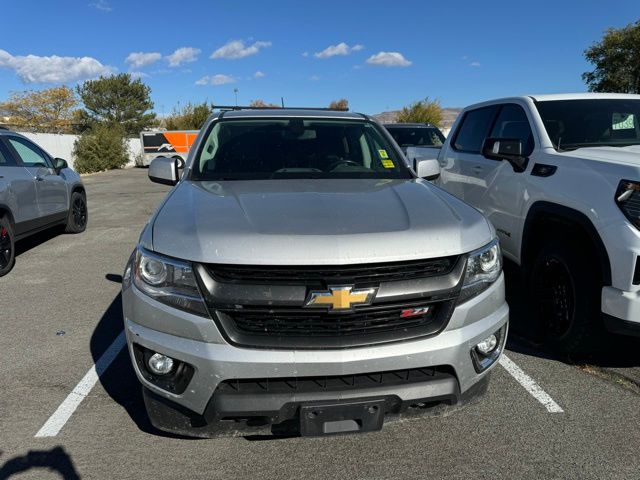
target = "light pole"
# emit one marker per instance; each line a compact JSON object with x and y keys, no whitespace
{"x":235,"y":90}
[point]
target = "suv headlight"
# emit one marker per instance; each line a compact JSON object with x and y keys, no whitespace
{"x":628,"y":199}
{"x":484,"y":267}
{"x":167,"y":280}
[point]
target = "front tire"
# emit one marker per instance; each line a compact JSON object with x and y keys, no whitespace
{"x":7,"y":246}
{"x":565,"y":297}
{"x":78,"y":213}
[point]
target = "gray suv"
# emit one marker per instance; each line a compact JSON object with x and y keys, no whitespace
{"x":37,"y":192}
{"x":300,"y":277}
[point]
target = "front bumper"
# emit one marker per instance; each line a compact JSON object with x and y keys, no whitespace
{"x":196,"y":341}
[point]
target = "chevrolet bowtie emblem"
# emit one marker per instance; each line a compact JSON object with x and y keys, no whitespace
{"x":342,"y":297}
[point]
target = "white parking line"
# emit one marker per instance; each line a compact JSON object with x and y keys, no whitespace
{"x":56,"y":421}
{"x":530,"y":385}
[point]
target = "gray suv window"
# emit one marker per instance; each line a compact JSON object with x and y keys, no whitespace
{"x":30,"y":155}
{"x":474,"y":129}
{"x":6,"y":160}
{"x":512,"y":123}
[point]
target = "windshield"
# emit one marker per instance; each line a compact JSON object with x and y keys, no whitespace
{"x":417,"y":136}
{"x":574,"y":124}
{"x":296,"y":148}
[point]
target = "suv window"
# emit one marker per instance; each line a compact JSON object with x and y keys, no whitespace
{"x":416,"y":136}
{"x":512,"y":123}
{"x":6,"y":160}
{"x":30,"y":155}
{"x":473,"y":130}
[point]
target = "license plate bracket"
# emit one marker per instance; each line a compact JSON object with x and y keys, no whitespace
{"x":336,"y":418}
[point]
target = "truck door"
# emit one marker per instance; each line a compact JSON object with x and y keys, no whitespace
{"x":458,"y":162}
{"x":494,"y":187}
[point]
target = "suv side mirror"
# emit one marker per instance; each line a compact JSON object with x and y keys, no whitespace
{"x":165,"y":170}
{"x":427,"y":168}
{"x":59,"y":164}
{"x":509,"y":149}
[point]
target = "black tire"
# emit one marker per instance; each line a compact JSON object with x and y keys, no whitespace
{"x":7,"y":246}
{"x":564,"y":289}
{"x":78,"y":213}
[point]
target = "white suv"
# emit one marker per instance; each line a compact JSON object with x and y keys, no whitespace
{"x":559,"y":178}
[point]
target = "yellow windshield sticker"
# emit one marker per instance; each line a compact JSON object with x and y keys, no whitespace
{"x":383,"y":153}
{"x":388,"y":164}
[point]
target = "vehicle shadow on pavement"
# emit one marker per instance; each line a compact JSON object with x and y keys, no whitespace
{"x":26,"y":244}
{"x":119,"y":380}
{"x":617,"y":351}
{"x":55,"y":460}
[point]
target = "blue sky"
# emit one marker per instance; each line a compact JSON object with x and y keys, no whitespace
{"x":380,"y":55}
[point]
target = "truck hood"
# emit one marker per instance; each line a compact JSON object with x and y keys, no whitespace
{"x":315,"y":222}
{"x":620,"y":155}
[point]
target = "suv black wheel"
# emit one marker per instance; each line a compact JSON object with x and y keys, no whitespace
{"x":7,"y":246}
{"x":565,"y":297}
{"x":78,"y":213}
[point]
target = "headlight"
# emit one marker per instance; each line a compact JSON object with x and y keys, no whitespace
{"x":484,"y":267}
{"x":628,"y":199}
{"x":167,"y":280}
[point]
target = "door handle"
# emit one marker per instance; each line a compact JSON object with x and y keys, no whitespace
{"x":477,"y":169}
{"x":39,"y":178}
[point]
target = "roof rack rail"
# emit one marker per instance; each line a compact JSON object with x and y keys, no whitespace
{"x":249,"y":107}
{"x":2,"y":127}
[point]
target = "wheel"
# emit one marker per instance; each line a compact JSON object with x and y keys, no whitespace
{"x":7,"y":246}
{"x":565,"y":297}
{"x":78,"y":214}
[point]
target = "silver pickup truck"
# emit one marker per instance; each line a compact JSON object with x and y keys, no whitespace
{"x":301,"y":277}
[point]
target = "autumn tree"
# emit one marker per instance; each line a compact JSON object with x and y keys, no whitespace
{"x":342,"y":104}
{"x":617,"y":61}
{"x":117,"y":100}
{"x":422,"y":111}
{"x":190,"y":117}
{"x":50,"y":110}
{"x":262,"y":104}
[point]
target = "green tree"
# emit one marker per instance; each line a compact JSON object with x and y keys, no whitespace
{"x":190,"y":117}
{"x":342,"y":104}
{"x":101,"y":147}
{"x":117,"y":100}
{"x":422,"y":111}
{"x":617,"y":61}
{"x":50,"y":110}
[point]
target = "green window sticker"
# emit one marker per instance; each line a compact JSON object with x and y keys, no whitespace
{"x":623,"y":121}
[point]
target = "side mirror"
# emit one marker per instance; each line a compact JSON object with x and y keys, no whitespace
{"x":427,"y":168}
{"x":165,"y":170}
{"x":509,"y":149}
{"x":60,"y":164}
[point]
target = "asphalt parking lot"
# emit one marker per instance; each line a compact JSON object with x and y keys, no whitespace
{"x":60,"y":311}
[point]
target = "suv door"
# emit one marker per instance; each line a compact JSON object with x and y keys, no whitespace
{"x":51,"y":189}
{"x":495,"y":188}
{"x":459,"y":162}
{"x":17,"y":190}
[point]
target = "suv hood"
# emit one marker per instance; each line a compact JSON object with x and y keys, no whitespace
{"x":621,"y":155}
{"x":315,"y":222}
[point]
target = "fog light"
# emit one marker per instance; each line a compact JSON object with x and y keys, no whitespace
{"x":488,"y":345}
{"x":160,"y":364}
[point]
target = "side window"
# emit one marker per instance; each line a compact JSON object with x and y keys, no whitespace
{"x":30,"y":155}
{"x":473,"y":130}
{"x":511,"y":123}
{"x":6,"y":160}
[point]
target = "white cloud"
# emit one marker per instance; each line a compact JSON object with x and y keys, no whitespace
{"x":237,"y":49}
{"x":339,"y":49}
{"x":183,"y":55}
{"x":53,"y":69}
{"x":101,"y":5}
{"x":388,"y":59}
{"x":305,"y":54}
{"x":218,"y":79}
{"x":141,"y":59}
{"x":475,"y":64}
{"x":314,"y":78}
{"x":258,"y":74}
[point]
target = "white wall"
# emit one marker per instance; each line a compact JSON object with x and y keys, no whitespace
{"x":61,"y":145}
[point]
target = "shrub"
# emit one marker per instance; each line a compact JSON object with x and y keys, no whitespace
{"x":424,"y":111}
{"x":103,"y":147}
